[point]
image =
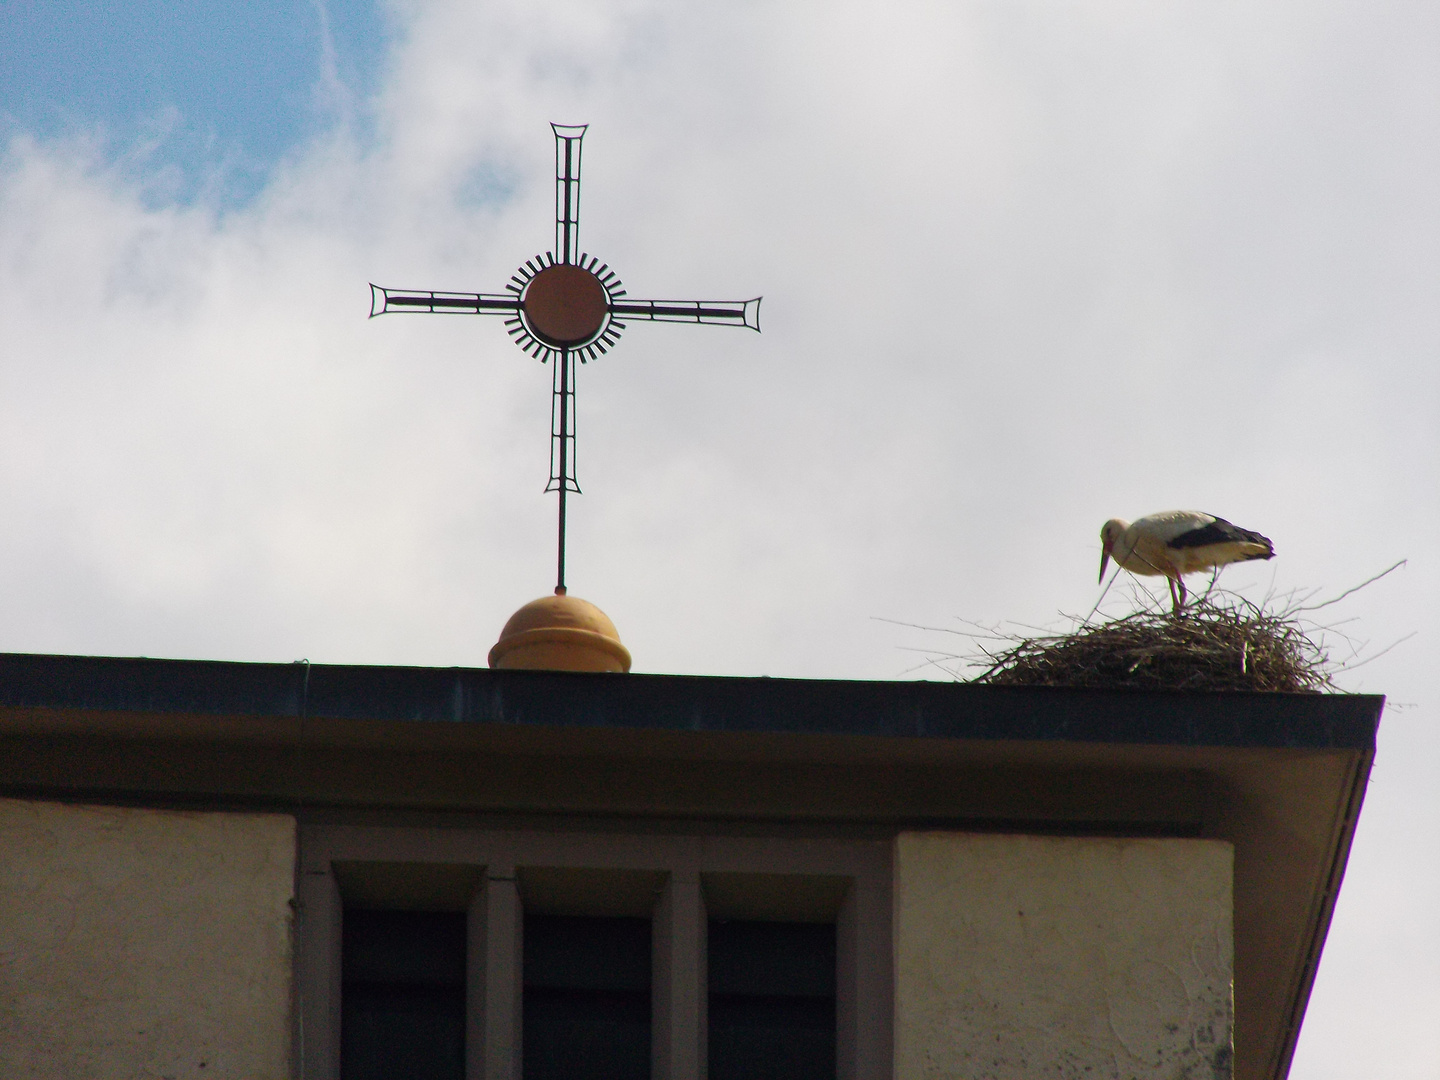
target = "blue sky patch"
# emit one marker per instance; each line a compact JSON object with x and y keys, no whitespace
{"x":203,"y":97}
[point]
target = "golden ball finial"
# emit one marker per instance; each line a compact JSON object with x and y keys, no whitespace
{"x":560,"y":633}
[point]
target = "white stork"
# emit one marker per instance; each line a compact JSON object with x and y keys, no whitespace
{"x":1178,"y":542}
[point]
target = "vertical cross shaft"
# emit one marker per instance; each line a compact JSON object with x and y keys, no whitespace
{"x":567,"y":443}
{"x":568,"y":143}
{"x":562,"y":447}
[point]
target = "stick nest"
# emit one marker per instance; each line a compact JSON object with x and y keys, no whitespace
{"x":1213,"y":644}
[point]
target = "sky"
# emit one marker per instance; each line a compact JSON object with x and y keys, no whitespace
{"x":1026,"y":265}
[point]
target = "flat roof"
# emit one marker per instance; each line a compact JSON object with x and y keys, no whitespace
{"x":1280,"y":776}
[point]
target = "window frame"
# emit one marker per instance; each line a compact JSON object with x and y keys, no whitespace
{"x":491,"y":857}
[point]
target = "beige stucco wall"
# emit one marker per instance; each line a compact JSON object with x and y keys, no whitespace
{"x":1065,"y":958}
{"x":142,"y":944}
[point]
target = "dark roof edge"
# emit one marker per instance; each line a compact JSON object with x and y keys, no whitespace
{"x":687,"y":702}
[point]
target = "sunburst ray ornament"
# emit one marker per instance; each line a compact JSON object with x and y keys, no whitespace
{"x":565,"y":305}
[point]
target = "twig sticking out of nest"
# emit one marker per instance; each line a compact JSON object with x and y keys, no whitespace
{"x":1211,"y":646}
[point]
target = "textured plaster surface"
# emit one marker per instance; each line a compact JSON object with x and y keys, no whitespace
{"x":144,"y":944}
{"x":1067,"y":958}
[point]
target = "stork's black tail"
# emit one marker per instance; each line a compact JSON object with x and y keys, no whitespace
{"x":1221,"y":531}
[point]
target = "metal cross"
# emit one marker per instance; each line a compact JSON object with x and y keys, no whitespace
{"x":563,"y":308}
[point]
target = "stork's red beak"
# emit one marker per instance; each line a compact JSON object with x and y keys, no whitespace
{"x":1104,"y":561}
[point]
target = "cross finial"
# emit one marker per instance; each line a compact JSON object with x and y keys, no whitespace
{"x":565,"y":305}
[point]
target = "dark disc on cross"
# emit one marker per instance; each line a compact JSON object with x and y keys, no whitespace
{"x":565,"y":305}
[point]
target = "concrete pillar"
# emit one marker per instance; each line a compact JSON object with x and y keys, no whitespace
{"x":678,"y":987}
{"x":318,"y":931}
{"x":493,"y":980}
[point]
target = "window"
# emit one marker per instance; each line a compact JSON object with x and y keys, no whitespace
{"x":586,"y":1004}
{"x":771,"y":1000}
{"x":525,"y":954}
{"x":402,"y":995}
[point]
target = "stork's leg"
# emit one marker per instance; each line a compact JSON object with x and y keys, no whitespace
{"x":1175,"y":600}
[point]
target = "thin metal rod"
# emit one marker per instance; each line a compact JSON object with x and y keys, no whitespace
{"x":565,"y":258}
{"x":564,"y":372}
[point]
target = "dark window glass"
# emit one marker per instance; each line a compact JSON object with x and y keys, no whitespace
{"x":586,"y":1009}
{"x":772,"y":1001}
{"x":402,"y":1013}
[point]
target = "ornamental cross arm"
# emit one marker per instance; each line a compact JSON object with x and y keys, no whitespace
{"x":717,"y":312}
{"x":385,"y":301}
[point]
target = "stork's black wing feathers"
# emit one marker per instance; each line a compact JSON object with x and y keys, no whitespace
{"x":1221,"y":531}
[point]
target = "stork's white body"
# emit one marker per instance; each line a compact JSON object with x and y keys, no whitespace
{"x":1178,"y":542}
